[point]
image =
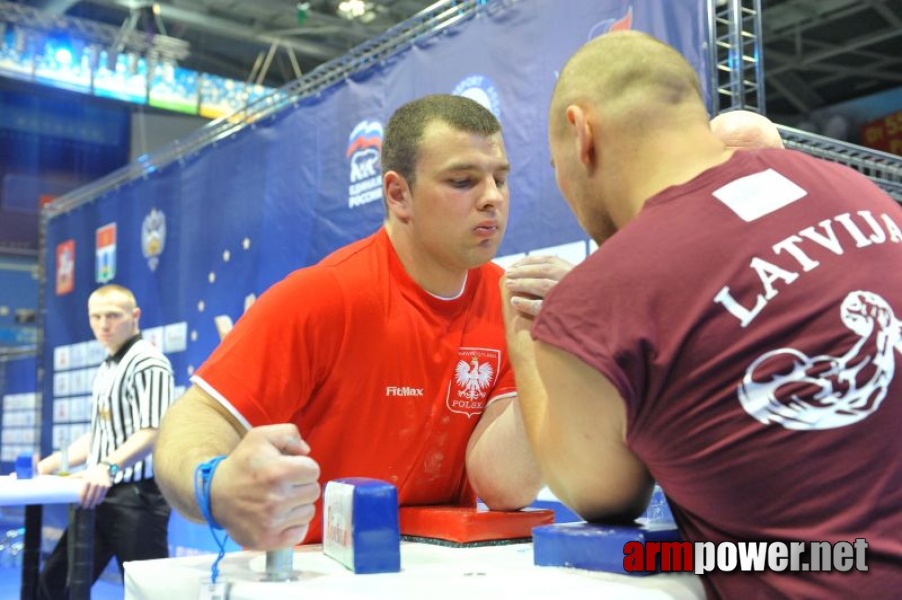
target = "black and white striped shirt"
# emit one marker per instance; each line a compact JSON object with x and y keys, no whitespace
{"x":132,"y":390}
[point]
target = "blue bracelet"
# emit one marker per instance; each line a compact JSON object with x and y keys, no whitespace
{"x":203,"y":477}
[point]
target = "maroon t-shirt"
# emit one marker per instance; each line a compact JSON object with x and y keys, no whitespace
{"x":749,"y":320}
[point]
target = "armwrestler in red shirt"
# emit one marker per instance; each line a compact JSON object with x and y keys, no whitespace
{"x":385,"y":360}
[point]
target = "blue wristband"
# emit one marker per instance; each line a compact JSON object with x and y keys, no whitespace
{"x":203,"y":477}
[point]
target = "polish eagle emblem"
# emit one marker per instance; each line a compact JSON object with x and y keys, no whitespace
{"x":473,"y":377}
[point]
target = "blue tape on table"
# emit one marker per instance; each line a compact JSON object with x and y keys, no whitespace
{"x":597,"y":547}
{"x":360,"y":525}
{"x":25,"y":465}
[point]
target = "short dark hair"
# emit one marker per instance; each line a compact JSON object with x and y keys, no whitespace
{"x":401,"y":143}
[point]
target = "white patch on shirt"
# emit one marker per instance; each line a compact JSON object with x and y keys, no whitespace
{"x":754,"y":196}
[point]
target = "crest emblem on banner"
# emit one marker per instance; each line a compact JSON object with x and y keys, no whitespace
{"x":106,"y":253}
{"x":363,"y":153}
{"x":153,"y":237}
{"x":474,"y":376}
{"x":65,"y":267}
{"x":480,"y":88}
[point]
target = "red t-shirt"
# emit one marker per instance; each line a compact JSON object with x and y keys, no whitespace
{"x":747,"y":319}
{"x":382,"y":379}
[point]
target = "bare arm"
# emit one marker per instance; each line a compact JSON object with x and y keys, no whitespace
{"x":584,"y":440}
{"x":97,"y":477}
{"x":195,"y":429}
{"x":576,"y":423}
{"x":262,"y":493}
{"x":135,"y":448}
{"x":77,"y":454}
{"x":500,"y":464}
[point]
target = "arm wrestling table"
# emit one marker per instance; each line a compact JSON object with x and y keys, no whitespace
{"x":33,"y":494}
{"x":427,"y":571}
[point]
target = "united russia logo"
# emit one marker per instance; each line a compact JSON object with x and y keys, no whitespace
{"x":363,"y":153}
{"x":65,"y":267}
{"x":106,"y":253}
{"x":474,"y":376}
{"x":482,"y":90}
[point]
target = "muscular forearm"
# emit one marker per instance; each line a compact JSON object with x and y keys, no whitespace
{"x":531,"y":278}
{"x":550,"y":443}
{"x":532,"y":404}
{"x":574,"y":417}
{"x":263,"y":494}
{"x":500,"y":464}
{"x":578,"y":433}
{"x":193,"y":431}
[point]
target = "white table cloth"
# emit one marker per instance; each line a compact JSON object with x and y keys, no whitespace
{"x":427,"y":571}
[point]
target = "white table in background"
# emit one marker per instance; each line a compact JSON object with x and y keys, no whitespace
{"x":427,"y":571}
{"x":33,"y":494}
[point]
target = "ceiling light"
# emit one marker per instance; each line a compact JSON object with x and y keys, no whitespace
{"x":356,"y":10}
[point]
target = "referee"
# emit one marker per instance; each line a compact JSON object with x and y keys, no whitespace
{"x":132,"y":389}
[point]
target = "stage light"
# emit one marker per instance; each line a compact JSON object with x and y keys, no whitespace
{"x":63,"y":56}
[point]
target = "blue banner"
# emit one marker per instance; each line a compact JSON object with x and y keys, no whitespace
{"x":19,"y":409}
{"x":200,"y":239}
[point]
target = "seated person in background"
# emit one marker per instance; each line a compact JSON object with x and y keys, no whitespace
{"x":385,"y":360}
{"x":733,"y":338}
{"x":744,"y":129}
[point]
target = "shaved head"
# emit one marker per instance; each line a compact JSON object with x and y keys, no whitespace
{"x":119,"y":294}
{"x":627,"y":119}
{"x":630,"y":76}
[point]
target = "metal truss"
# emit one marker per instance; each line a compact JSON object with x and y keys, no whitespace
{"x":883,"y":168}
{"x":735,"y":56}
{"x":736,"y":81}
{"x":425,"y":24}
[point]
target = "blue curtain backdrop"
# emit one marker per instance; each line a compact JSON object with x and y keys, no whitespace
{"x":283,"y":193}
{"x":18,"y":409}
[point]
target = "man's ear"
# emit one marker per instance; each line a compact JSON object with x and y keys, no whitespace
{"x":397,"y":195}
{"x":583,"y":135}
